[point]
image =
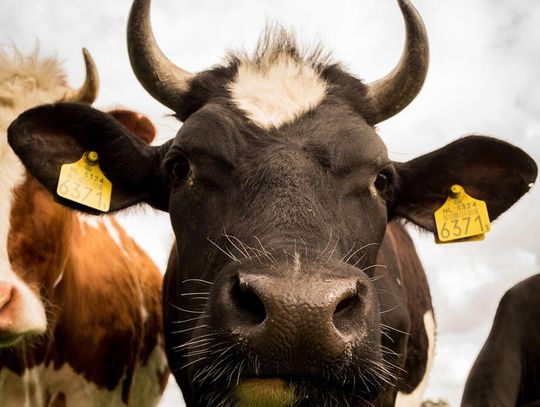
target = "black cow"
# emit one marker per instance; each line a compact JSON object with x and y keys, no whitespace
{"x":506,"y":373}
{"x":292,"y":282}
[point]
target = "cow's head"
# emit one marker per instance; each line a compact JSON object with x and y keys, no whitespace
{"x":34,"y":230}
{"x":25,"y":82}
{"x":279,"y":191}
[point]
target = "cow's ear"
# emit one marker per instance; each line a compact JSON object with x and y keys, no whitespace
{"x":488,"y":169}
{"x":136,"y":123}
{"x":49,"y":136}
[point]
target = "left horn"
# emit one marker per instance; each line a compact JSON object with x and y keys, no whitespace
{"x":391,"y":94}
{"x":89,"y":90}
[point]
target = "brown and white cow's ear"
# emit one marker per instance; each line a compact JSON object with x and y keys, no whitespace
{"x":136,"y":123}
{"x":488,"y":169}
{"x":49,"y":136}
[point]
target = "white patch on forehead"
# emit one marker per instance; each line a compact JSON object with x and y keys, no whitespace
{"x":414,"y":399}
{"x":276,"y":92}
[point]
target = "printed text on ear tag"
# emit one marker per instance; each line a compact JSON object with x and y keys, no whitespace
{"x":461,"y":218}
{"x":84,"y":182}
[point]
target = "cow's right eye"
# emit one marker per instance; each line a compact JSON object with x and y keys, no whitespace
{"x":179,"y":169}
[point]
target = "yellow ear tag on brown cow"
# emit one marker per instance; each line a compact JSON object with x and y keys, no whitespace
{"x":462,"y":218}
{"x":84,"y":182}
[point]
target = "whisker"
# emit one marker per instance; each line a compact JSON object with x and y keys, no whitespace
{"x":195,"y":293}
{"x":197,"y":280}
{"x":186,"y":310}
{"x":246,"y":255}
{"x":394,"y":329}
{"x":227,"y":253}
{"x":189,"y":329}
{"x":375,"y":265}
{"x":183,"y":321}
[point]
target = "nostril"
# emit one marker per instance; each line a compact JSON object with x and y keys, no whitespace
{"x":347,"y":304}
{"x":347,"y":311}
{"x":249,"y":306}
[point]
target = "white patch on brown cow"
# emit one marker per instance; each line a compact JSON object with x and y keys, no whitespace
{"x":88,"y":221}
{"x":113,"y":231}
{"x":27,"y":390}
{"x":58,"y":279}
{"x":414,"y":399}
{"x":110,"y":226}
{"x":146,"y":392}
{"x":21,"y":391}
{"x":276,"y":91}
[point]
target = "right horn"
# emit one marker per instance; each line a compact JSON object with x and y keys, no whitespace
{"x":391,"y":94}
{"x":165,"y":81}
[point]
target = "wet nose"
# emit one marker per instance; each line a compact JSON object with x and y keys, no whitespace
{"x":300,"y":321}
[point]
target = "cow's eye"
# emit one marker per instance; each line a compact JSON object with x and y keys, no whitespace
{"x":179,"y":168}
{"x":382,"y":181}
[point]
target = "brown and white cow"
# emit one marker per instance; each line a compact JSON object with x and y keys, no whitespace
{"x":506,"y":373}
{"x":292,"y":282}
{"x":80,"y":302}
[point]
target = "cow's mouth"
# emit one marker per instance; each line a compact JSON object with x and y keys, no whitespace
{"x":289,"y":391}
{"x":236,"y":377}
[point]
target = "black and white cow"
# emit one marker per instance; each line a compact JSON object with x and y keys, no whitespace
{"x":506,"y":373}
{"x":292,"y":282}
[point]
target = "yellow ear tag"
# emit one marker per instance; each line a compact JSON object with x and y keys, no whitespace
{"x":84,"y":182}
{"x":462,"y":218}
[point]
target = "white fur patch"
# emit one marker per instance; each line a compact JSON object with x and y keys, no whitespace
{"x":89,"y":221}
{"x":112,"y":229}
{"x":415,"y":398}
{"x":36,"y":384}
{"x":145,"y":390}
{"x":30,"y":389}
{"x":277,"y":92}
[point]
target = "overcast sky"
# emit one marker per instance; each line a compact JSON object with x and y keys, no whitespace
{"x":484,"y":78}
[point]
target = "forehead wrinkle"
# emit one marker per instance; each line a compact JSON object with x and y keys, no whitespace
{"x":212,"y":131}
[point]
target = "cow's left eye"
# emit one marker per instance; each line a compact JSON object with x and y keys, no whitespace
{"x":179,"y":168}
{"x":382,"y":180}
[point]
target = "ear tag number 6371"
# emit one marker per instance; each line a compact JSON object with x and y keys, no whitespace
{"x":461,"y":218}
{"x":84,"y":182}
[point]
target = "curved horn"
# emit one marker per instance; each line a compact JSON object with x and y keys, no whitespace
{"x":391,"y":94}
{"x":165,"y":81}
{"x":89,"y":90}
